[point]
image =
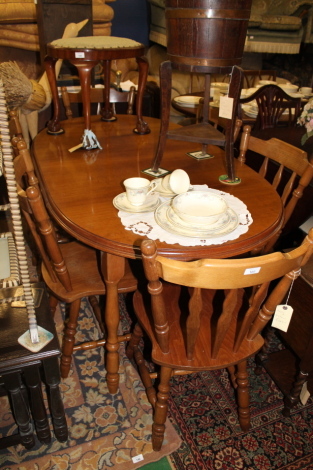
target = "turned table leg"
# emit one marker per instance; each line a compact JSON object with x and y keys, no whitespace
{"x":20,"y":408}
{"x":52,"y":378}
{"x":113,"y":268}
{"x":33,"y":383}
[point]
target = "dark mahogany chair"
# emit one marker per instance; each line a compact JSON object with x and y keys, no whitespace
{"x":70,"y":270}
{"x":272,"y":102}
{"x":196,"y":317}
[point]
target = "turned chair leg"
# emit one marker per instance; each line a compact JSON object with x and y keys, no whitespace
{"x":132,"y":345}
{"x":53,"y":302}
{"x":291,"y":400}
{"x":161,"y":406}
{"x":69,"y":339}
{"x":243,"y":396}
{"x":232,"y":375}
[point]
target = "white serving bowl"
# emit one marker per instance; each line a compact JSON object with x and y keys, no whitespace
{"x":199,"y":207}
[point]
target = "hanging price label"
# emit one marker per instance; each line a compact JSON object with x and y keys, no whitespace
{"x":226,"y":107}
{"x":282,"y":317}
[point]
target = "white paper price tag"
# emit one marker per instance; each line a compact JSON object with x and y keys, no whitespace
{"x":137,"y":458}
{"x":79,"y":55}
{"x":282,"y":317}
{"x":304,"y":394}
{"x":226,"y":107}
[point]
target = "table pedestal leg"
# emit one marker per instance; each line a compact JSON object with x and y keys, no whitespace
{"x":53,"y":126}
{"x":113,"y":268}
{"x":143,"y":66}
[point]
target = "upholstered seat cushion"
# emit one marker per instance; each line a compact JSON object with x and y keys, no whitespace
{"x":95,"y":42}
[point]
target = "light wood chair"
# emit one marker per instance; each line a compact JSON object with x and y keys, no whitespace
{"x":70,"y":270}
{"x":197,"y":318}
{"x":96,"y":96}
{"x":286,"y":166}
{"x":272,"y":102}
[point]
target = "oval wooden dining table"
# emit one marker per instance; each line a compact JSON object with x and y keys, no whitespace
{"x":79,"y":188}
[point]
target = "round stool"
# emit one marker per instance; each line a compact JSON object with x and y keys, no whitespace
{"x":85,"y":53}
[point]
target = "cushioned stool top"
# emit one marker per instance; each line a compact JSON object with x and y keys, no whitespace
{"x":96,"y":42}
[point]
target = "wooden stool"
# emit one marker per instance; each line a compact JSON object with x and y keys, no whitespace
{"x":85,"y":53}
{"x":20,"y":375}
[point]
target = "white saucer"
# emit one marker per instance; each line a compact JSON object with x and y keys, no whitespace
{"x":121,"y":202}
{"x":167,"y":194}
{"x":162,"y":219}
{"x":178,"y":222}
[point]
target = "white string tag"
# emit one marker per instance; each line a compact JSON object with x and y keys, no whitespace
{"x":283,"y":313}
{"x":304,"y":394}
{"x":282,"y":317}
{"x":226,"y":107}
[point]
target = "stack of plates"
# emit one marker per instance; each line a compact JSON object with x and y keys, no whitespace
{"x":187,"y":101}
{"x":250,"y":110}
{"x":168,"y":219}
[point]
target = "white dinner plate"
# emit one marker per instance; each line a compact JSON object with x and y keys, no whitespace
{"x":162,"y":219}
{"x":178,"y":222}
{"x":121,"y":203}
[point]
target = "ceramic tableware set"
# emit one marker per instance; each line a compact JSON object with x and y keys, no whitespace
{"x":185,"y":211}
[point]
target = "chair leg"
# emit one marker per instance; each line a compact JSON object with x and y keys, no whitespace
{"x":53,"y":302}
{"x":243,"y":396}
{"x":69,"y":339}
{"x":132,"y":345}
{"x":291,"y":400}
{"x":232,"y":374}
{"x":161,"y":406}
{"x":98,"y":313}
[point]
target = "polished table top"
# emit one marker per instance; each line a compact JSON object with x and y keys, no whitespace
{"x":80,"y":186}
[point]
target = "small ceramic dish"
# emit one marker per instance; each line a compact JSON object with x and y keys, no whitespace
{"x":199,"y":207}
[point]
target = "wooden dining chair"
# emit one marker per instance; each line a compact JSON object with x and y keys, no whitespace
{"x":285,"y":166}
{"x":96,"y":96}
{"x":272,"y":102}
{"x":70,"y":270}
{"x":197,"y":318}
{"x":252,"y":77}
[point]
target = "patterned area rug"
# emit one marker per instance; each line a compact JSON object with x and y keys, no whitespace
{"x":105,"y":431}
{"x":203,"y":410}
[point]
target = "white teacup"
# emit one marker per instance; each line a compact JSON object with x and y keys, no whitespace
{"x":137,"y":190}
{"x":305,"y":90}
{"x":176,"y":182}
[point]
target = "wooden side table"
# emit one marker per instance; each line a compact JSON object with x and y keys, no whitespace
{"x":291,"y":367}
{"x":20,"y":375}
{"x":85,"y":53}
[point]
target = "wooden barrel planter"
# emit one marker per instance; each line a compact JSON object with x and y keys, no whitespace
{"x":206,"y":34}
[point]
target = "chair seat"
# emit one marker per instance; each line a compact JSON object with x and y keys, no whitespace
{"x":86,"y":282}
{"x":176,"y":357}
{"x":96,"y":42}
